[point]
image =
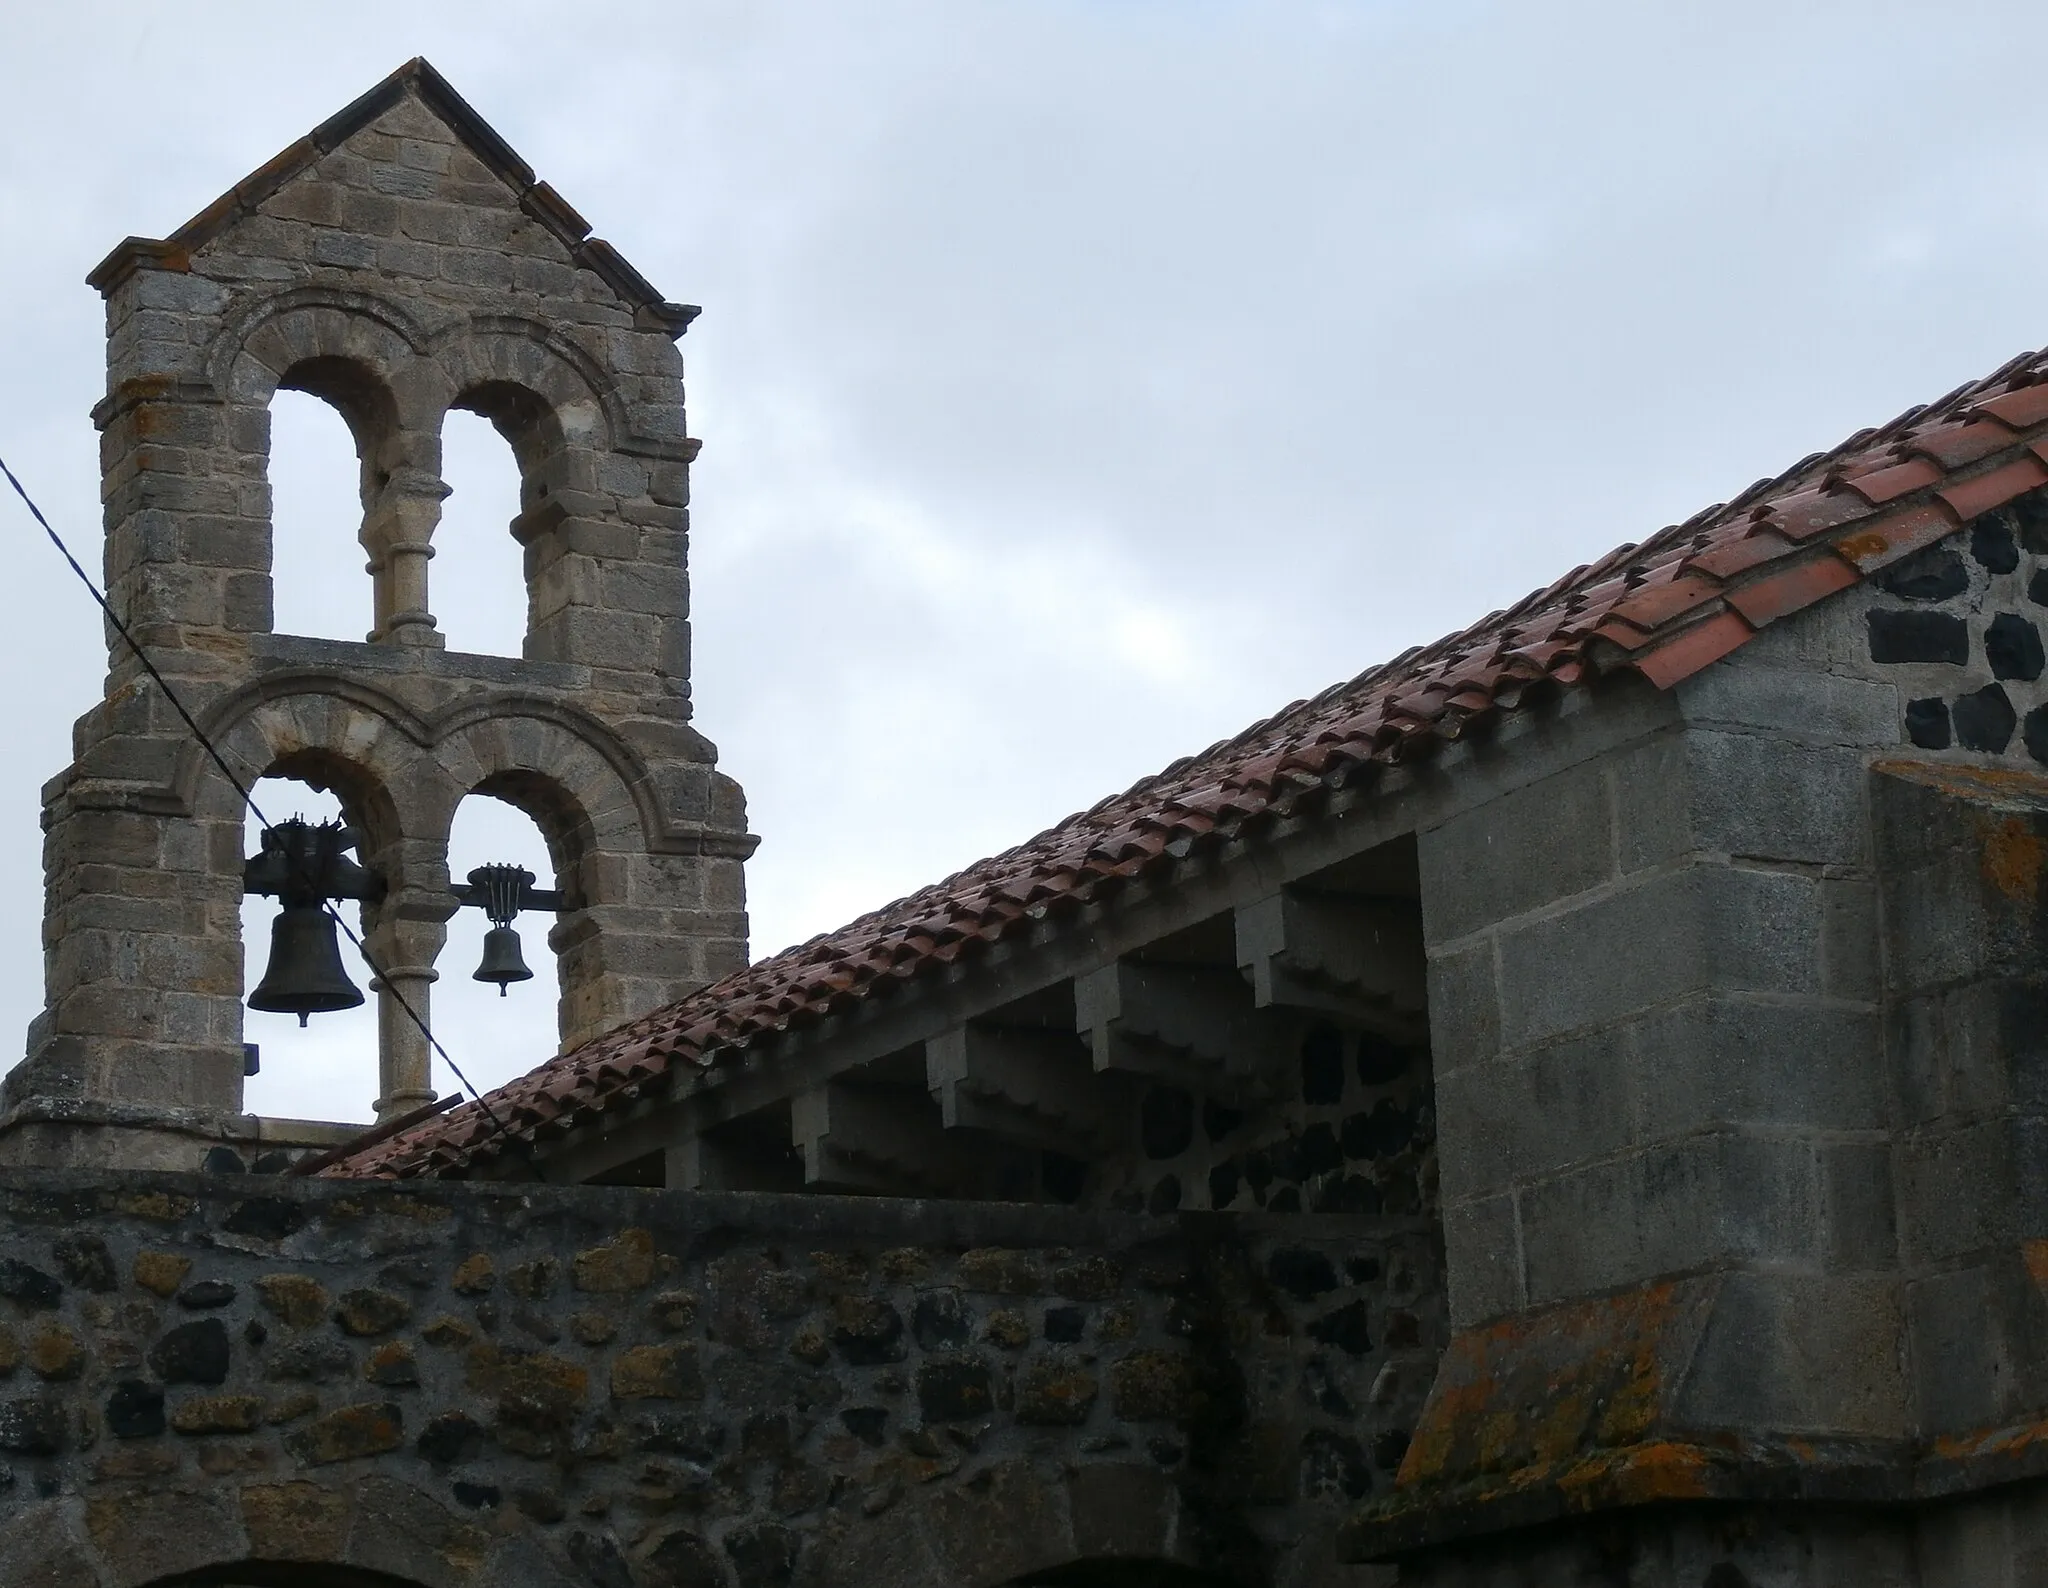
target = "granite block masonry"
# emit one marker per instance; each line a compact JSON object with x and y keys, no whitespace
{"x":399,"y":262}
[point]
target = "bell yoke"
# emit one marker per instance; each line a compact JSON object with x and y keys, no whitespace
{"x":305,"y":867}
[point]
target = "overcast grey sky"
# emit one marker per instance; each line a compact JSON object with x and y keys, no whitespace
{"x":1078,"y":381}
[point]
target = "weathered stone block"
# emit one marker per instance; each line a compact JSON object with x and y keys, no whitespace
{"x":218,"y":1414}
{"x":1056,"y":1391}
{"x":193,"y":1353}
{"x":296,"y":1300}
{"x":1758,"y":796}
{"x":656,"y":1372}
{"x":295,"y":1521}
{"x":953,"y":1390}
{"x":54,"y":1352}
{"x":624,"y":1263}
{"x":349,"y":1433}
{"x":1731,"y":1061}
{"x":1524,"y":849}
{"x":1669,"y":1209}
{"x":1152,"y":1386}
{"x":369,"y":1312}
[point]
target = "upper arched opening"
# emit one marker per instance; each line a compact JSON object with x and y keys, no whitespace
{"x":359,"y":395}
{"x":333,"y":446}
{"x":317,"y":584}
{"x":526,"y":420}
{"x":481,"y":598}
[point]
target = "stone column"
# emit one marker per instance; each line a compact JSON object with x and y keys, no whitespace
{"x":398,"y":529}
{"x":405,"y":942}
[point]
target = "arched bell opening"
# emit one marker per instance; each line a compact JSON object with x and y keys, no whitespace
{"x":480,"y":600}
{"x":1118,"y":1572}
{"x":317,"y":584}
{"x":284,"y":1574}
{"x":305,"y":1062}
{"x":332,"y":424}
{"x":496,"y":996}
{"x":529,"y":425}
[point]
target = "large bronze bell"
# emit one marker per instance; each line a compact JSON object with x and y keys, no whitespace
{"x":305,"y":974}
{"x":502,"y":962}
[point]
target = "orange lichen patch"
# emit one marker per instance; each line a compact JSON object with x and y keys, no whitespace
{"x":1867,"y":547}
{"x":1661,"y":1471}
{"x":2013,"y":860}
{"x":2007,"y":785}
{"x":1642,"y":1475}
{"x":1989,"y":1442}
{"x":1547,"y":1390}
{"x":2035,"y":1255}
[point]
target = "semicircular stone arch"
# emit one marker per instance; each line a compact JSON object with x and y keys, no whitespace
{"x":601,"y":507}
{"x":617,"y":946}
{"x":361,"y":745}
{"x":373,"y":753}
{"x":369,"y":1529}
{"x":280,"y":329}
{"x":362,"y":356}
{"x":503,"y":350}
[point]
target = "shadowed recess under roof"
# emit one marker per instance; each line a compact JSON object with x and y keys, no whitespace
{"x":1680,"y":601}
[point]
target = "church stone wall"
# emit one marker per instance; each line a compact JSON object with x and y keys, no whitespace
{"x":469,"y":1385}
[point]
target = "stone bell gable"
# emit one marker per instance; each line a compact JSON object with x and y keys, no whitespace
{"x":398,"y":262}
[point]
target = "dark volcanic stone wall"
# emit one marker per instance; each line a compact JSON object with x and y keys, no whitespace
{"x":1959,"y":627}
{"x":1352,"y":1129}
{"x":532,"y":1385}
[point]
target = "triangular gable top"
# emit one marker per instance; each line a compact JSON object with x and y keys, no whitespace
{"x":1687,"y":597}
{"x":417,"y":77}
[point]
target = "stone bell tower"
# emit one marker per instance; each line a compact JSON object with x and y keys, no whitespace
{"x":399,"y":261}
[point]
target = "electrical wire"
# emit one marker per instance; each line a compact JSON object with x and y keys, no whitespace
{"x":248,"y":799}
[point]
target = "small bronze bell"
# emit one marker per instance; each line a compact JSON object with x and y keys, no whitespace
{"x":305,"y":974}
{"x":501,"y":892}
{"x":502,"y":962}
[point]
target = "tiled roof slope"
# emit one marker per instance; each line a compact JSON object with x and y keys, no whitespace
{"x":1667,"y":608}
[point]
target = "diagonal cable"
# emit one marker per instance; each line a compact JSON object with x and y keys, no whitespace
{"x":247,"y":797}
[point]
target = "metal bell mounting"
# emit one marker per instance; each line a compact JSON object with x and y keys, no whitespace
{"x":304,"y":865}
{"x":501,"y":892}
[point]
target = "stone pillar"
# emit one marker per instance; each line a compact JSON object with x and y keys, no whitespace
{"x":398,"y":529}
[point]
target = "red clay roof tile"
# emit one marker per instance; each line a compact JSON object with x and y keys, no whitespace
{"x":1703,"y":644}
{"x":2022,"y":408}
{"x":1889,"y":484}
{"x":1738,"y":556}
{"x":1792,"y":589}
{"x":1982,"y":492}
{"x":1897,"y":535}
{"x":1679,"y":602}
{"x":1957,"y":446}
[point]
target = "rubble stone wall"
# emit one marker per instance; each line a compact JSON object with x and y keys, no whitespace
{"x":464,"y":1385}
